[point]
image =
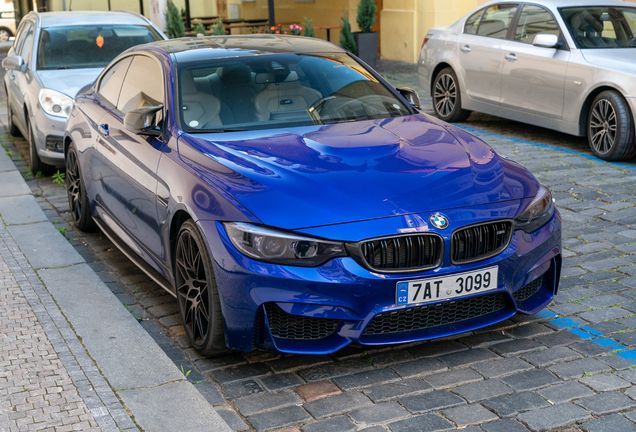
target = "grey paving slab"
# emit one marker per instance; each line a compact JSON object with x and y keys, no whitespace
{"x":606,"y":403}
{"x":13,"y":184}
{"x":611,"y":423}
{"x":21,"y":210}
{"x":406,"y":387}
{"x":469,"y":415}
{"x":605,"y":382}
{"x":565,"y":392}
{"x":482,"y":390}
{"x":124,"y":351}
{"x":154,"y":409}
{"x":423,"y":423}
{"x":554,"y":417}
{"x":44,"y":246}
{"x":6,"y":164}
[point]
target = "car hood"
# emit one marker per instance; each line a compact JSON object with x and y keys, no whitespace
{"x":618,"y":59}
{"x":68,"y":81}
{"x":328,"y":174}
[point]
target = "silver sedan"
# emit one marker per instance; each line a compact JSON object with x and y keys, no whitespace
{"x":567,"y":65}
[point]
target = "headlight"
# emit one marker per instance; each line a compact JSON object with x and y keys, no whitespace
{"x":277,"y":247}
{"x":55,"y":103}
{"x":538,"y":212}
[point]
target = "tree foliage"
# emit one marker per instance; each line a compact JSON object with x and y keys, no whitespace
{"x":347,"y":40}
{"x":199,"y":28}
{"x":218,"y":28}
{"x":366,"y":15}
{"x":174,"y":22}
{"x":308,"y":28}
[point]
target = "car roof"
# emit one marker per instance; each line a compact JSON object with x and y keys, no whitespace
{"x":202,"y":48}
{"x":52,"y":19}
{"x":567,"y":3}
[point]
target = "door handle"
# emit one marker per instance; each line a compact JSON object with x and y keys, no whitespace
{"x":466,"y":49}
{"x":103,"y":128}
{"x":511,"y":57}
{"x":12,"y":76}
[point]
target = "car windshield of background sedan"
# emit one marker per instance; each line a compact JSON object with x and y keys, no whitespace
{"x":281,"y":90}
{"x":601,"y":26}
{"x":89,"y":46}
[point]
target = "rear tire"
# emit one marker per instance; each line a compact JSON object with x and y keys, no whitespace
{"x":610,"y":128}
{"x":35,"y":163}
{"x":447,"y":98}
{"x":76,"y":191}
{"x":197,"y":293}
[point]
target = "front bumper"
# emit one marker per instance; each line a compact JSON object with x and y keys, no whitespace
{"x":48,"y":133}
{"x":320,"y":310}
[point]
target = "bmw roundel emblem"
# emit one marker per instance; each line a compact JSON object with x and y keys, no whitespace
{"x":438,"y":220}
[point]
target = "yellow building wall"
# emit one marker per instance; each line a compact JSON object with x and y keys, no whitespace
{"x":405,"y":24}
{"x":198,"y":8}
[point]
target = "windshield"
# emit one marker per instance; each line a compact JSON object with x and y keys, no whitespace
{"x":601,"y":26}
{"x":281,"y":90}
{"x":88,"y":46}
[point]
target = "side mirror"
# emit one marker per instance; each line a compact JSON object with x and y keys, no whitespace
{"x":410,"y":95}
{"x":141,"y":121}
{"x":545,"y":40}
{"x":14,"y":62}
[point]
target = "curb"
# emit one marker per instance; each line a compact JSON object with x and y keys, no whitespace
{"x":140,"y":374}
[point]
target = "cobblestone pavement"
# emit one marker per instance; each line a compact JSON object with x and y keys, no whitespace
{"x":570,"y":367}
{"x":47,"y":380}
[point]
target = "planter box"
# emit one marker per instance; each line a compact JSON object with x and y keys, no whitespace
{"x":367,"y":47}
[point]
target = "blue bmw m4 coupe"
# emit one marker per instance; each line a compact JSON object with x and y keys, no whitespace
{"x":292,"y":200}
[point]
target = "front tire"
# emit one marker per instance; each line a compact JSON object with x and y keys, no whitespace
{"x":35,"y":163}
{"x":4,"y":34}
{"x":76,"y":191}
{"x":447,"y":98}
{"x":197,"y":293}
{"x":610,"y":128}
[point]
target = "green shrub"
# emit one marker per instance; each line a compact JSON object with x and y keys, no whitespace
{"x":199,"y":28}
{"x":308,"y":28}
{"x":366,"y":15}
{"x":346,"y":37}
{"x":174,"y":22}
{"x":218,"y":28}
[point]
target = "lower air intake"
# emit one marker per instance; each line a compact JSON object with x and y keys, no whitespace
{"x":425,"y":317}
{"x":529,"y":290}
{"x":287,"y":326}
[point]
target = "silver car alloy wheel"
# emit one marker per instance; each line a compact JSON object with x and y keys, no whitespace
{"x":603,"y":126}
{"x":445,"y":95}
{"x":4,"y":35}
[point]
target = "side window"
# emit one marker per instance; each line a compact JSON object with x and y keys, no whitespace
{"x":110,"y":85}
{"x":19,"y":37}
{"x":143,"y":85}
{"x":27,"y":46}
{"x":472,"y":23}
{"x":496,"y":21}
{"x":534,"y":20}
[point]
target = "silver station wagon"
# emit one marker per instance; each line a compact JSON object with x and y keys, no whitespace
{"x":567,"y":65}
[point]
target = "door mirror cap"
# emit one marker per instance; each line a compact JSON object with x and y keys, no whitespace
{"x":141,"y":121}
{"x":410,"y":95}
{"x":545,"y":40}
{"x":14,"y":62}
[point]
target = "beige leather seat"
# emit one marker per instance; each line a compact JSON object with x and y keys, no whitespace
{"x":288,"y":95}
{"x":200,"y":110}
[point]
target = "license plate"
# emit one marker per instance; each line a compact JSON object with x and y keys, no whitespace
{"x":443,"y":288}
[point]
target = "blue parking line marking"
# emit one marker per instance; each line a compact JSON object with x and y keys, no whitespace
{"x":581,"y":333}
{"x":610,"y":343}
{"x":564,"y":323}
{"x":628,"y":355}
{"x":591,"y":330}
{"x":546,"y":314}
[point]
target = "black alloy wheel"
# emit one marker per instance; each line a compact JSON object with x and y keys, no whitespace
{"x":447,"y":97}
{"x":76,"y":191}
{"x":197,"y":293}
{"x":35,"y":163}
{"x":610,"y":127}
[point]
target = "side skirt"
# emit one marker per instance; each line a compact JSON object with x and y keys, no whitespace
{"x":152,"y":273}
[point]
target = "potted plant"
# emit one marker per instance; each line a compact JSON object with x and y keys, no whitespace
{"x":347,"y":41}
{"x":366,"y":38}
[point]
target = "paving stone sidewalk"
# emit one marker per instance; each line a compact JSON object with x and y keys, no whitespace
{"x":569,"y":368}
{"x":46,"y":376}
